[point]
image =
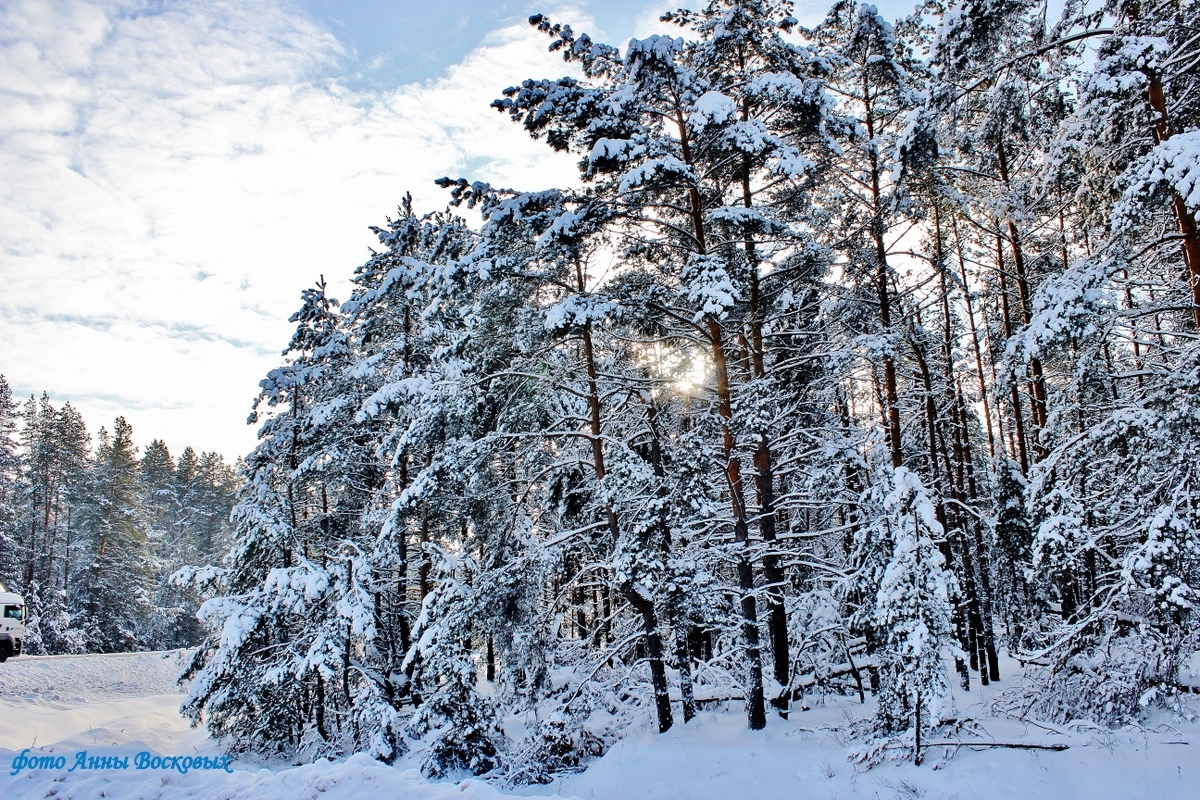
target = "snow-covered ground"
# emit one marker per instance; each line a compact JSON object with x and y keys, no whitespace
{"x":121,"y":705}
{"x":715,"y":757}
{"x":125,"y":704}
{"x":95,"y":701}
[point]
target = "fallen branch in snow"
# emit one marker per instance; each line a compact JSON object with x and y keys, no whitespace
{"x":800,"y":684}
{"x":1048,"y":726}
{"x":805,"y":682}
{"x":1014,"y":745}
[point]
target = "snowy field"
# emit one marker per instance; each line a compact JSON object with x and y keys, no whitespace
{"x":121,"y":705}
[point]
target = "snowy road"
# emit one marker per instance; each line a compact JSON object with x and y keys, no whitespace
{"x":69,"y":680}
{"x":120,"y":705}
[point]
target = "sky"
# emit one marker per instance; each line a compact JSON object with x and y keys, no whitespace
{"x":174,"y":172}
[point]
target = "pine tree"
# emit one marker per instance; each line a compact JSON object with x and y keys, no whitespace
{"x":874,"y":71}
{"x":458,"y":723}
{"x":697,"y":245}
{"x":115,"y":588}
{"x":10,"y":472}
{"x":912,"y":610}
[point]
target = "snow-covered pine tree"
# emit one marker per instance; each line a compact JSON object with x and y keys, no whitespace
{"x":314,"y":528}
{"x":1136,"y":132}
{"x":913,"y":613}
{"x":190,"y":502}
{"x":1013,"y":549}
{"x":10,"y":472}
{"x":1115,"y":326}
{"x":42,"y":485}
{"x":66,"y":551}
{"x":1000,"y":91}
{"x":59,"y":497}
{"x":872,"y":70}
{"x":459,"y":725}
{"x":203,"y":488}
{"x":264,"y":675}
{"x":1115,"y":515}
{"x":696,"y":241}
{"x":172,"y":623}
{"x":772,"y":151}
{"x":435,"y":328}
{"x":114,"y":588}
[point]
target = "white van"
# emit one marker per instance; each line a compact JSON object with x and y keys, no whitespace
{"x":12,"y":624}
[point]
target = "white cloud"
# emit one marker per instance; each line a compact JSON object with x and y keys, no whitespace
{"x":170,"y":179}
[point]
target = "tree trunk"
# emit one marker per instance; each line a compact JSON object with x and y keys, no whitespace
{"x":1183,"y":217}
{"x":755,"y":710}
{"x":982,"y":559}
{"x":1018,"y":421}
{"x":67,"y":558}
{"x":683,"y":654}
{"x":643,"y":605}
{"x":983,"y":393}
{"x":1023,"y":292}
{"x":970,"y":577}
{"x":654,"y":651}
{"x":881,"y":290}
{"x":965,"y":621}
{"x":764,"y":475}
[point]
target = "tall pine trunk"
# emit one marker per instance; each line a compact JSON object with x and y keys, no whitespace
{"x":1184,"y":219}
{"x":764,"y":474}
{"x":1015,"y":395}
{"x":1038,"y":393}
{"x":755,"y":706}
{"x":643,"y":605}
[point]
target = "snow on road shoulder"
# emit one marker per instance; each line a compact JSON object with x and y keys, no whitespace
{"x":715,"y":757}
{"x":154,"y":721}
{"x":357,"y":777}
{"x":96,"y":700}
{"x":114,"y":707}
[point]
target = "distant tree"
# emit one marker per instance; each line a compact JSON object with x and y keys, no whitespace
{"x":10,"y":476}
{"x":115,"y":588}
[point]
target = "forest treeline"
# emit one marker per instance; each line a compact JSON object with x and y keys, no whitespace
{"x":91,"y":532}
{"x":852,"y":358}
